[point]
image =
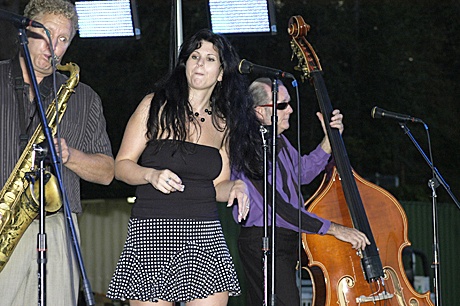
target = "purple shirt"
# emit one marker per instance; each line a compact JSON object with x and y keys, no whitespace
{"x":311,"y":165}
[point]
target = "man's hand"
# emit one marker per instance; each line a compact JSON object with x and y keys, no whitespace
{"x":62,"y":149}
{"x":356,"y":238}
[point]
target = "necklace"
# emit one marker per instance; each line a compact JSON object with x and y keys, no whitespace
{"x":197,"y":114}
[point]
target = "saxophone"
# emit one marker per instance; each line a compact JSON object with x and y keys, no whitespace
{"x":18,"y":204}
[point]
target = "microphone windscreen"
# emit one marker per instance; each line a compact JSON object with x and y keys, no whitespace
{"x":376,"y":112}
{"x":244,"y":67}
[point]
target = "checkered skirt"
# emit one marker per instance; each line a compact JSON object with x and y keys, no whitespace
{"x":173,"y":260}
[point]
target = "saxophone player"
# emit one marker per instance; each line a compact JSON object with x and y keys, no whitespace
{"x":85,"y":153}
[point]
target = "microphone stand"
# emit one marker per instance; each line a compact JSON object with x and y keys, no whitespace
{"x":274,"y":133}
{"x":39,"y":155}
{"x":433,"y":184}
{"x":265,"y":239}
{"x":42,"y":245}
{"x":49,"y":139}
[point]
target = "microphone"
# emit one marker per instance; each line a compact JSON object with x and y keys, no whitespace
{"x":18,"y":20}
{"x":246,"y":67}
{"x":377,"y":113}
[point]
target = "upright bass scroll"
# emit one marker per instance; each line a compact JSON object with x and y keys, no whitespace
{"x":341,"y":276}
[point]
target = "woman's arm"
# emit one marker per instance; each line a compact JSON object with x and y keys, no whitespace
{"x":133,"y":144}
{"x":228,"y":190}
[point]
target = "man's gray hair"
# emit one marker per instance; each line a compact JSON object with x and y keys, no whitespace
{"x":258,"y":93}
{"x":36,"y":8}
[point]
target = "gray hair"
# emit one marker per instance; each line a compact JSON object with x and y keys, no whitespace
{"x":258,"y":93}
{"x":36,"y":8}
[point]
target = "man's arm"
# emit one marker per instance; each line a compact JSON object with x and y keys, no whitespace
{"x":95,"y":168}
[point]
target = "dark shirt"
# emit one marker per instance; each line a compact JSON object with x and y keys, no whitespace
{"x":83,"y":126}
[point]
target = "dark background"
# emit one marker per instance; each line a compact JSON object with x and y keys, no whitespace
{"x":399,"y":55}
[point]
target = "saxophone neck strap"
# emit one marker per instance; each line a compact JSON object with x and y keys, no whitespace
{"x":21,"y":99}
{"x":44,"y":87}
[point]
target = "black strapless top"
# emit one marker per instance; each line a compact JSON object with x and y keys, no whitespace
{"x":197,"y":166}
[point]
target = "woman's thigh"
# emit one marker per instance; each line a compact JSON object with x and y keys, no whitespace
{"x":217,"y":299}
{"x":140,"y":303}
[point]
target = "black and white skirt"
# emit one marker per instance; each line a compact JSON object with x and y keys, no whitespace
{"x":176,"y":260}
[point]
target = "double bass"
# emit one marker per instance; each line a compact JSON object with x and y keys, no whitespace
{"x":341,"y":275}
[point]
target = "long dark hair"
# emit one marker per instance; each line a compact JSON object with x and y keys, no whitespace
{"x":230,"y":100}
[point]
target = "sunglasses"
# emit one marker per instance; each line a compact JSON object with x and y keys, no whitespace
{"x":279,"y":106}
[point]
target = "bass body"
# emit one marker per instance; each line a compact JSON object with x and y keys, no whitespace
{"x":338,"y":277}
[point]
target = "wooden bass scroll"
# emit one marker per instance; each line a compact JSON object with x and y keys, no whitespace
{"x":342,"y":276}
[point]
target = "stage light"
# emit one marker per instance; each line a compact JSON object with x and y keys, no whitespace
{"x":242,"y":16}
{"x":108,"y":18}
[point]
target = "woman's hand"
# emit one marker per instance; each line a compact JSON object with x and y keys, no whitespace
{"x":165,"y":181}
{"x":239,"y":194}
